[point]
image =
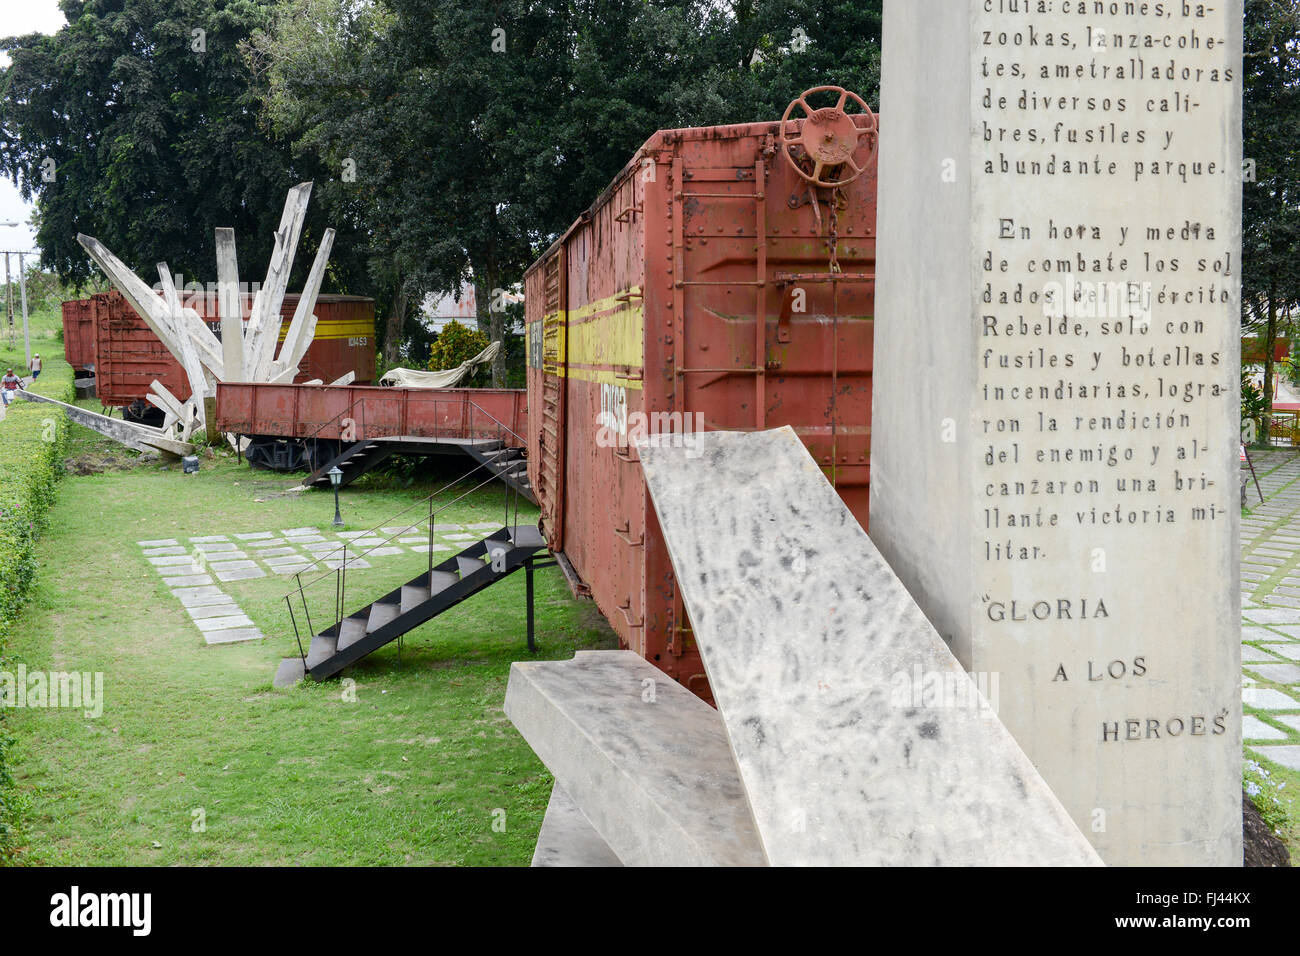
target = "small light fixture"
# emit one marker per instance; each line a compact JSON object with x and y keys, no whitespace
{"x":336,"y":478}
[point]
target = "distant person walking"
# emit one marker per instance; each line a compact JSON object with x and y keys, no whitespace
{"x":9,"y":385}
{"x":36,"y":366}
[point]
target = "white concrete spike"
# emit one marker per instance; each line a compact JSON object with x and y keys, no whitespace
{"x":230,"y":306}
{"x":277,"y":278}
{"x":189,"y":356}
{"x":151,"y":309}
{"x":299,"y":336}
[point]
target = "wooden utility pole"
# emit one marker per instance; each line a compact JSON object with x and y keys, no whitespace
{"x":27,"y":336}
{"x":9,"y":302}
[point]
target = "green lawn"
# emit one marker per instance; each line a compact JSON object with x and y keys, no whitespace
{"x":415,"y":771}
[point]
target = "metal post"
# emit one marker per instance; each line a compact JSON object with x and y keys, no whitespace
{"x":22,"y":284}
{"x":528,"y":574}
{"x":1246,"y":452}
{"x":9,"y":302}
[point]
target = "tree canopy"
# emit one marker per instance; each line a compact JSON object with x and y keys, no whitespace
{"x":138,"y":123}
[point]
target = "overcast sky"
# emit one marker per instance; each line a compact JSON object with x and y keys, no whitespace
{"x":18,"y":17}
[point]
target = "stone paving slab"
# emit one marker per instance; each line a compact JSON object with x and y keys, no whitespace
{"x":215,"y":547}
{"x":231,"y":565}
{"x":233,"y":635}
{"x":267,"y":543}
{"x":1249,"y":633}
{"x":224,"y":623}
{"x":155,"y":552}
{"x":1250,"y":653}
{"x":213,"y":610}
{"x":289,"y":673}
{"x":1252,"y":728}
{"x":290,"y":568}
{"x":1264,"y":698}
{"x":192,"y":600}
{"x":159,"y":543}
{"x":241,"y":574}
{"x":1273,"y":616}
{"x":210,"y":537}
{"x":254,"y":536}
{"x":1286,"y":755}
{"x":1289,"y":651}
{"x":187,"y":580}
{"x":275,"y":553}
{"x":1276,"y":673}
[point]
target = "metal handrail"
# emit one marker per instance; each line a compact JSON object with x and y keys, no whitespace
{"x":522,"y":442}
{"x":340,"y":573}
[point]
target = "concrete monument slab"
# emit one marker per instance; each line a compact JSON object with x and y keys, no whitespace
{"x":1054,"y":435}
{"x":646,"y":760}
{"x":859,"y":739}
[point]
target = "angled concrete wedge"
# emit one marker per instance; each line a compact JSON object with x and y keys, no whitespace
{"x":645,"y":760}
{"x":825,"y":672}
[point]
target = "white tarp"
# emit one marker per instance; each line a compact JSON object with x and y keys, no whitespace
{"x":416,"y":378}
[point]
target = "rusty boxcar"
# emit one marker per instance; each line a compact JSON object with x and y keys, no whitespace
{"x":79,"y":334}
{"x":723,"y":280}
{"x":129,"y":356}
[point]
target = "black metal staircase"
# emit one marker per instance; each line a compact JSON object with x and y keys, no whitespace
{"x":507,"y":463}
{"x":426,"y":596}
{"x":354,"y":461}
{"x":349,"y":637}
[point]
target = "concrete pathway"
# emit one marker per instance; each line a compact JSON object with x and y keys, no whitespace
{"x":1270,"y":602}
{"x":188,"y":566}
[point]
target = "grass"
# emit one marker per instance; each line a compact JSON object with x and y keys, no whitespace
{"x":416,"y":771}
{"x":44,"y":330}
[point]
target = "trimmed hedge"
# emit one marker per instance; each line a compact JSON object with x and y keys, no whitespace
{"x":33,"y":439}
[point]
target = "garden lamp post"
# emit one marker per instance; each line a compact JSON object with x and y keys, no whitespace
{"x":336,"y":478}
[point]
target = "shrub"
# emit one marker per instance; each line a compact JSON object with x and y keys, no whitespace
{"x":455,"y":344}
{"x":33,"y":438}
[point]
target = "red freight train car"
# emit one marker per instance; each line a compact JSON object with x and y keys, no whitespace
{"x":642,"y":316}
{"x":353,"y":414}
{"x":79,"y":333}
{"x":129,"y":356}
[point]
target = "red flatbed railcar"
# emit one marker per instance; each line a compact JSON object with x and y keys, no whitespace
{"x":292,"y":426}
{"x":358,"y":413}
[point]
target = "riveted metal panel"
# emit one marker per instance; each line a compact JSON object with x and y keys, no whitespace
{"x":696,"y":295}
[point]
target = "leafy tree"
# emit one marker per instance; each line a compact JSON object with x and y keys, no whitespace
{"x":479,"y":131}
{"x":454,"y":345}
{"x":1271,"y":202}
{"x":144,"y":114}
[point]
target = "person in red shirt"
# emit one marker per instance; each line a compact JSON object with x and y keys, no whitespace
{"x":8,"y":385}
